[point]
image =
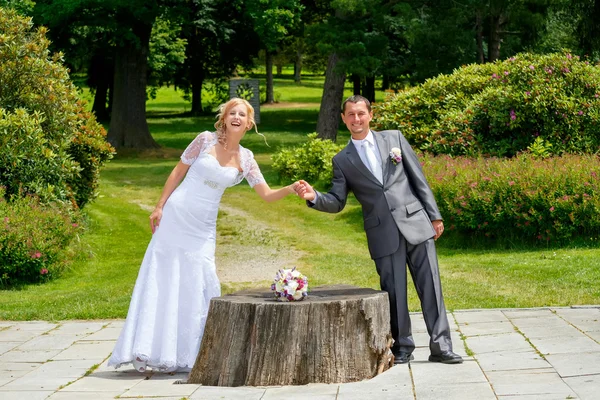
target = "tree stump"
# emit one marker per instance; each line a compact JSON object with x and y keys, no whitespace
{"x":337,"y":334}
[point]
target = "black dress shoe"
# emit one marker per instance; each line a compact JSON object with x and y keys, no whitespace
{"x":403,"y":357}
{"x":447,"y":357}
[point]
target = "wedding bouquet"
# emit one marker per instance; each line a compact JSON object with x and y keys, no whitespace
{"x":290,"y":285}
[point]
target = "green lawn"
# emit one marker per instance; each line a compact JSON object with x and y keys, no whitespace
{"x":333,"y":245}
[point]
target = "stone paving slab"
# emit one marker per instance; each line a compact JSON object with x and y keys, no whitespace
{"x":530,"y":382}
{"x":547,"y":353}
{"x":507,"y":360}
{"x":575,"y":364}
{"x":586,"y":387}
{"x":49,"y":342}
{"x":217,"y":393}
{"x":566,"y":344}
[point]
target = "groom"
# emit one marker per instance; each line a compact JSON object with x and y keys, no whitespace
{"x":401,"y":220}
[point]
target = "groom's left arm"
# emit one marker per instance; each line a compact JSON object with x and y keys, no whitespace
{"x":418,"y":182}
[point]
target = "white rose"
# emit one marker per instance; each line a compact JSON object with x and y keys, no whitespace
{"x":292,"y":286}
{"x":297,"y":295}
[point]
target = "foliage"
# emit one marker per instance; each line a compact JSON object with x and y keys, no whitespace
{"x":52,"y":147}
{"x":500,"y":108}
{"x":526,"y":198}
{"x":310,"y":161}
{"x":22,"y":6}
{"x":34,"y":239}
{"x":167,"y":50}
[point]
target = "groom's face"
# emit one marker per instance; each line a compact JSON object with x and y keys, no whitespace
{"x":357,"y":117}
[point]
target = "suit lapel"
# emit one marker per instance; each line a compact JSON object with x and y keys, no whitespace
{"x":354,"y":158}
{"x":384,"y":148}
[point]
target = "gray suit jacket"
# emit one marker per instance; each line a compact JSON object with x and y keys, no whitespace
{"x":403,"y":204}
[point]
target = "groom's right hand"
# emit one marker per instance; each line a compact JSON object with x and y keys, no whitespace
{"x":305,"y":191}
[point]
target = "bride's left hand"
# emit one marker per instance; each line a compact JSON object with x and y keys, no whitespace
{"x":155,"y":218}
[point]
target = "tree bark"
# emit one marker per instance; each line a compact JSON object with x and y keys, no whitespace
{"x":128,"y":126}
{"x":269,"y":64}
{"x":100,"y":77}
{"x":331,"y":101}
{"x":99,"y":108}
{"x":369,"y":89}
{"x":298,"y":67}
{"x":356,"y":82}
{"x":337,"y":334}
{"x":479,"y":37}
{"x":496,"y":23}
{"x":197,"y":80}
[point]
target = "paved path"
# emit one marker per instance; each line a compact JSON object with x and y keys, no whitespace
{"x":544,"y":353}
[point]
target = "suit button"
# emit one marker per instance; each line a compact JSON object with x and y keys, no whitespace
{"x":393,"y":209}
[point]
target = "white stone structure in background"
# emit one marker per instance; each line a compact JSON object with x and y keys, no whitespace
{"x":246,"y":89}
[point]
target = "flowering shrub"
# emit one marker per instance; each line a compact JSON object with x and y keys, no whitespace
{"x":290,"y":285}
{"x":501,"y":108}
{"x":51,"y":146}
{"x":34,"y":239}
{"x":310,"y":161}
{"x":526,"y":198}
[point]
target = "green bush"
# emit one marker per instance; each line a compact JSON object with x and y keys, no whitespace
{"x":500,"y":109}
{"x":310,"y":161}
{"x":524,"y":198}
{"x":51,"y":146}
{"x":34,"y":239}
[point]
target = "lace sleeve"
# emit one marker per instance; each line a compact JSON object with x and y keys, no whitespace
{"x":251,"y":170}
{"x":197,"y":146}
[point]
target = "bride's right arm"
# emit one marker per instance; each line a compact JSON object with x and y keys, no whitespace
{"x":172,"y":182}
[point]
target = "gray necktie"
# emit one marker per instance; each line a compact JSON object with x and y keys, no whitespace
{"x":373,"y":165}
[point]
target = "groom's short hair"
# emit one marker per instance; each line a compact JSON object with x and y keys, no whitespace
{"x":357,"y":98}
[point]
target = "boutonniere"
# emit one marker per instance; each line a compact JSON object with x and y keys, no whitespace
{"x":395,"y":155}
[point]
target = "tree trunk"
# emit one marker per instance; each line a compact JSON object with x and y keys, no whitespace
{"x":128,"y":126}
{"x":197,"y":80}
{"x":337,"y":334}
{"x":269,"y":64}
{"x":479,"y":37}
{"x":590,"y":29}
{"x":99,"y":108}
{"x":385,"y":82}
{"x":331,"y":101}
{"x":369,"y":89}
{"x":279,"y":68}
{"x":496,"y":23}
{"x":298,"y":67}
{"x":100,"y":77}
{"x":356,"y":81}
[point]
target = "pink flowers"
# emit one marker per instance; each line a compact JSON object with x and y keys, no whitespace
{"x":552,"y":209}
{"x":43,"y":271}
{"x":513,"y":115}
{"x":35,"y":255}
{"x":511,"y":183}
{"x":532,"y":67}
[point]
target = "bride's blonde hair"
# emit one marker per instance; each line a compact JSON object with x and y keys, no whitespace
{"x":224,"y":110}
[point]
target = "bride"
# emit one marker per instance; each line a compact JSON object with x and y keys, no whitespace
{"x":177,"y":278}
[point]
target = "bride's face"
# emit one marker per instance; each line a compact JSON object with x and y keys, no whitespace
{"x":236,"y":120}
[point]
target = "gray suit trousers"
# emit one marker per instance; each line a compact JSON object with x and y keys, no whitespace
{"x":423,"y":266}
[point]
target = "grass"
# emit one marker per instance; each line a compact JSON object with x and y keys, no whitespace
{"x":334,"y":247}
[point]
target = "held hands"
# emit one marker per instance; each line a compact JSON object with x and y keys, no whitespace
{"x":155,"y":218}
{"x":438,"y":226}
{"x":305,"y":191}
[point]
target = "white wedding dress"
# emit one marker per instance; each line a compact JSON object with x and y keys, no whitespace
{"x":177,"y":278}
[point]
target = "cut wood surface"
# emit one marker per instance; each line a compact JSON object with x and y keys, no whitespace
{"x":339,"y":333}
